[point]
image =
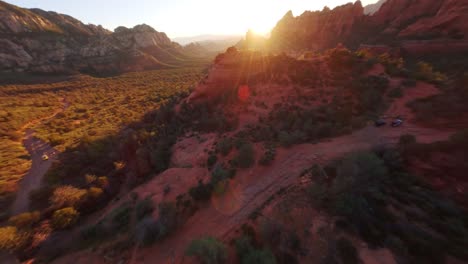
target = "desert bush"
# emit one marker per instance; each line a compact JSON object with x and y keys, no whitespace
{"x":25,"y":220}
{"x":148,"y":231}
{"x":90,"y":179}
{"x":201,"y":192}
{"x":460,"y":137}
{"x":218,"y":174}
{"x":370,"y":90}
{"x":224,"y":146}
{"x":285,"y":139}
{"x":144,"y":208}
{"x":12,"y":239}
{"x":409,"y":82}
{"x":245,"y":157}
{"x":270,"y":232}
{"x":94,"y":192}
{"x":407,"y":140}
{"x":102,"y":182}
{"x":67,"y":196}
{"x":396,"y":93}
{"x":269,"y":154}
{"x":208,"y":250}
{"x":393,"y":66}
{"x":212,"y":158}
{"x":93,"y":233}
{"x":168,"y":218}
{"x":248,"y":254}
{"x":347,"y":252}
{"x":121,"y":216}
{"x":64,"y":218}
{"x":425,"y":72}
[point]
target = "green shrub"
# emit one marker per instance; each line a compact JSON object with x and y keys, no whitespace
{"x":347,"y":252}
{"x":208,"y":250}
{"x":409,"y":82}
{"x":219,"y":174}
{"x":268,"y":155}
{"x":460,"y":137}
{"x":64,"y":218}
{"x":168,"y":218}
{"x":120,"y":217}
{"x":249,"y":255}
{"x":425,"y":72}
{"x":285,"y":139}
{"x":224,"y":146}
{"x":201,"y":192}
{"x":67,"y":196}
{"x":12,"y":239}
{"x":211,"y":160}
{"x":407,"y":140}
{"x":144,"y":208}
{"x":25,"y":220}
{"x":396,"y":93}
{"x":92,"y":233}
{"x":94,"y":193}
{"x":148,"y":231}
{"x":245,"y":157}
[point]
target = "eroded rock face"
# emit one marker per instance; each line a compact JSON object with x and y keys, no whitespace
{"x":317,"y":30}
{"x":38,"y":41}
{"x":450,"y":21}
{"x":395,"y":21}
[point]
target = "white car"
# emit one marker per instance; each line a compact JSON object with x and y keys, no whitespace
{"x":45,"y":157}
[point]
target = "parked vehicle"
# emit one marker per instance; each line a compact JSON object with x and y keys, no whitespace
{"x":45,"y":157}
{"x":397,"y":122}
{"x":380,"y":123}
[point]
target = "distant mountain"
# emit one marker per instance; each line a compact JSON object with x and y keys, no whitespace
{"x":34,"y":40}
{"x":372,"y":8}
{"x":207,"y":38}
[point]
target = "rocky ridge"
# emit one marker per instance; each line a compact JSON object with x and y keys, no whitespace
{"x":33,"y":40}
{"x":395,"y":22}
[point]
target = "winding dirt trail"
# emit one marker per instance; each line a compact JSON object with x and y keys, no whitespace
{"x":36,"y":149}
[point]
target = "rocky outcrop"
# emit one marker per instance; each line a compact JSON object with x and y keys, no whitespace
{"x":450,"y":21}
{"x":395,"y":22}
{"x":372,"y":8}
{"x":317,"y":30}
{"x":34,"y":40}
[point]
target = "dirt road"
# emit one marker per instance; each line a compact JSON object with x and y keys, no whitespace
{"x":36,"y":149}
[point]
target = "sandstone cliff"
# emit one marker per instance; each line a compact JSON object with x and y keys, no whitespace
{"x":318,"y":30}
{"x":395,"y":22}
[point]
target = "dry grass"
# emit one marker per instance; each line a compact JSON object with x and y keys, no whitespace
{"x":98,"y":107}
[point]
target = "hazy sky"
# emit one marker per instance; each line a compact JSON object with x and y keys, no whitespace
{"x":180,"y":18}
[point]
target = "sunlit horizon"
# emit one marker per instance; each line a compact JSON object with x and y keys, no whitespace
{"x":183,"y":18}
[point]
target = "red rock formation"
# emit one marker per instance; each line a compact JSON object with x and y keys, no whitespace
{"x":395,"y":15}
{"x":317,"y":30}
{"x":450,"y":21}
{"x":396,"y":21}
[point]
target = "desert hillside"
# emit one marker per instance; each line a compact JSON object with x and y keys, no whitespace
{"x":342,"y":138}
